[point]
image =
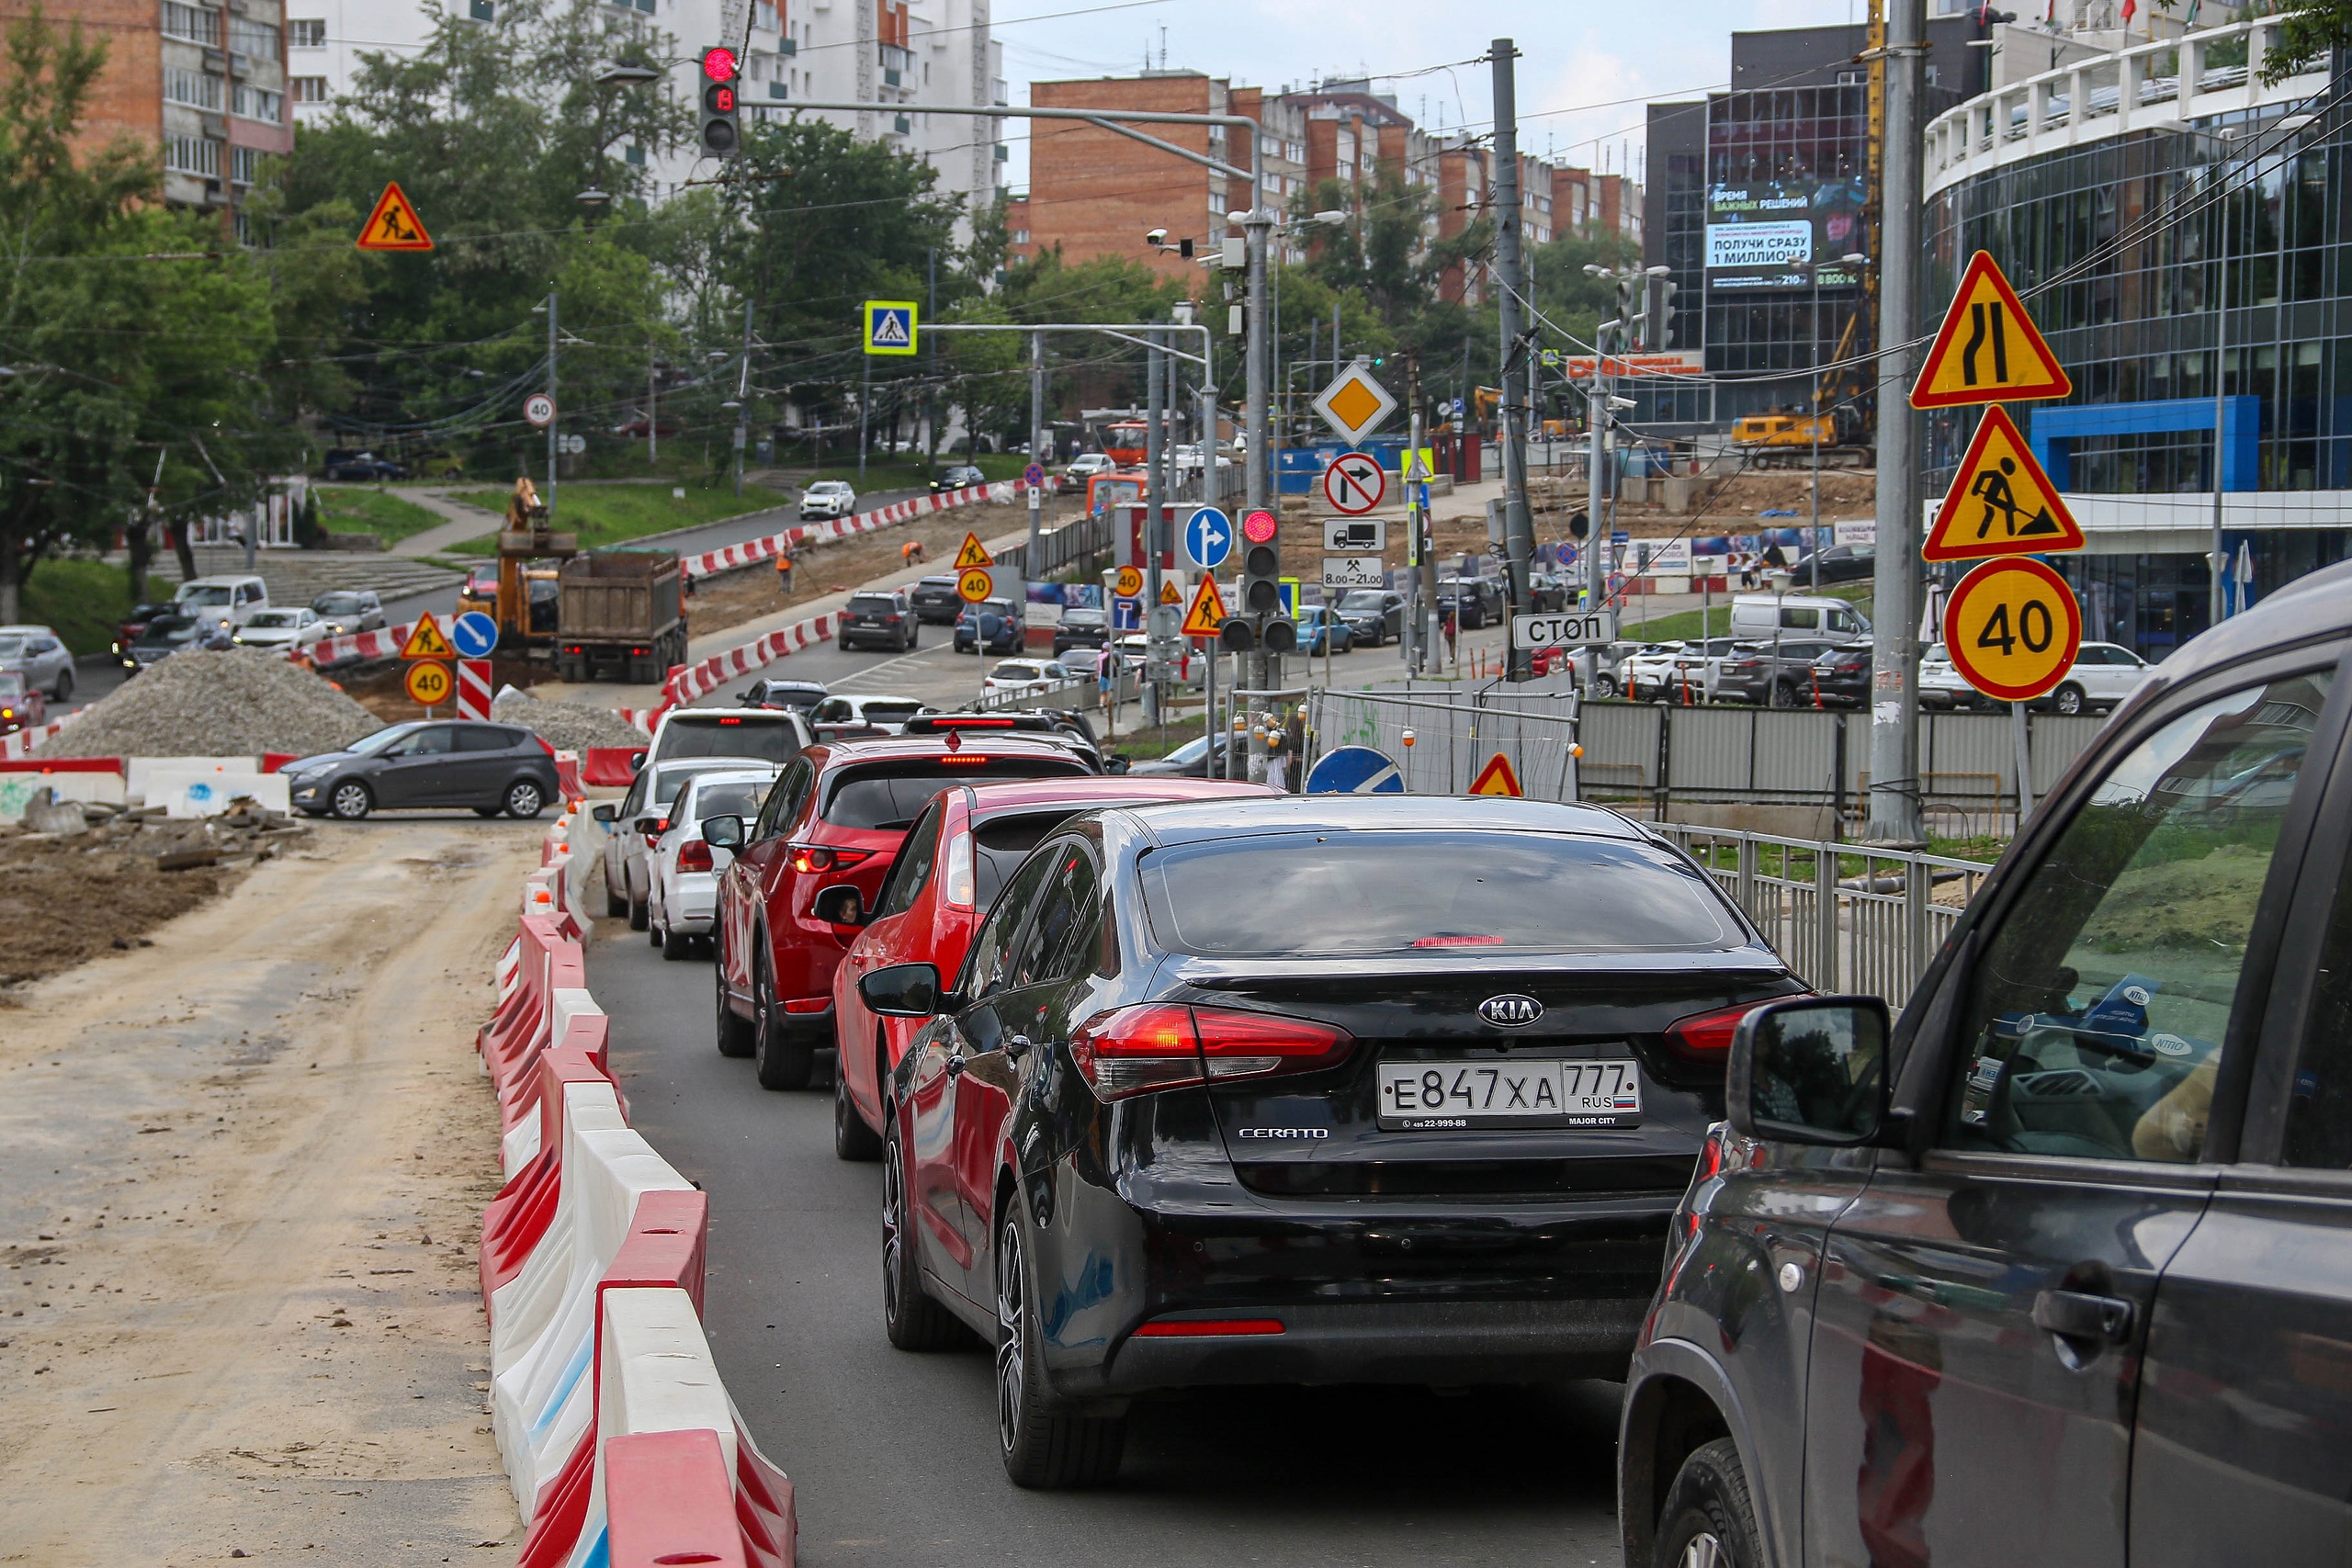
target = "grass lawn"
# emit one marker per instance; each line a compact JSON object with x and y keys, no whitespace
{"x":379,"y":512}
{"x":615,"y":513}
{"x":1146,"y":743}
{"x":83,"y":600}
{"x":1685,"y":626}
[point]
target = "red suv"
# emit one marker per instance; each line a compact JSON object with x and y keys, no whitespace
{"x":966,"y":843}
{"x":836,"y":815}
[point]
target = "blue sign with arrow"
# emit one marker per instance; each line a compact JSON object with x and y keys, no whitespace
{"x":1354,"y":769}
{"x":1208,"y":537}
{"x":474,"y":635}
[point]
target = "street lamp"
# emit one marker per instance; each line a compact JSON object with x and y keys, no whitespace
{"x":1850,"y":261}
{"x":1329,"y":216}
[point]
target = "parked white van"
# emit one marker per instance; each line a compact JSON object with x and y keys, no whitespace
{"x":1754,"y":618}
{"x":227,"y":600}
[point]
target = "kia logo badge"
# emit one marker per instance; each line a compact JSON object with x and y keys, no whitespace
{"x":1512,"y":1011}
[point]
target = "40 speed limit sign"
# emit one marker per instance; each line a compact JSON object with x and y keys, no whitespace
{"x":2013,"y":628}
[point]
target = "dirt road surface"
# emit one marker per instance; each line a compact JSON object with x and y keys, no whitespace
{"x":241,"y":1173}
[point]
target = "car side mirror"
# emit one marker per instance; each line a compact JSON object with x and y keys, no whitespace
{"x":1810,"y":1070}
{"x":902,"y":990}
{"x":840,"y":905}
{"x":723,"y":832}
{"x":1116,"y":764}
{"x":605,"y":813}
{"x":636,"y":761}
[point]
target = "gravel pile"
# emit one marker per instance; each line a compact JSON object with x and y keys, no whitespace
{"x":566,"y":725}
{"x":231,"y":704}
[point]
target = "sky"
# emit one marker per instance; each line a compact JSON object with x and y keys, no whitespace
{"x":1585,"y":70}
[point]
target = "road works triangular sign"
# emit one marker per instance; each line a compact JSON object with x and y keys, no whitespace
{"x":1989,"y":350}
{"x":1496,"y":778}
{"x":973,"y":554}
{"x":427,"y":641}
{"x":2000,"y":503}
{"x":1207,"y":612}
{"x":394,"y":225}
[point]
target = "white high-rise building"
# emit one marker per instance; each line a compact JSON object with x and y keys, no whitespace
{"x":890,"y":54}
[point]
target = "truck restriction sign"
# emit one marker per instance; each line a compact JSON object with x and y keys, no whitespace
{"x":2013,"y":628}
{"x":429,"y":682}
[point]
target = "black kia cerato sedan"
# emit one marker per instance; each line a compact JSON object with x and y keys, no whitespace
{"x":1329,"y":1089}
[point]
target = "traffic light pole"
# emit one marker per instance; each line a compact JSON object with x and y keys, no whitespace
{"x":554,"y":422}
{"x":1155,"y":468}
{"x":1519,"y":526}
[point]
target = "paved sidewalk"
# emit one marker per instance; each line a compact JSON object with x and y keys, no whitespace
{"x":467,"y":520}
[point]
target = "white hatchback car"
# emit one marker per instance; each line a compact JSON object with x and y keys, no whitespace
{"x":2102,"y":676}
{"x":828,"y":498}
{"x":685,"y":869}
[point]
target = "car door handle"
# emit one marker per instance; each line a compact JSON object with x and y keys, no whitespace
{"x":955,"y":1067}
{"x":2077,"y":1315}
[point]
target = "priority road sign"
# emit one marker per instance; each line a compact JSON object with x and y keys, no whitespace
{"x":393,"y":225}
{"x":473,"y":688}
{"x":2013,"y":628}
{"x":1354,"y":483}
{"x":1354,"y":404}
{"x":1988,"y":350}
{"x":1497,"y":777}
{"x":1354,"y":769}
{"x":890,"y":326}
{"x":474,"y":635}
{"x":539,"y":409}
{"x":973,"y":554}
{"x":1208,"y":537}
{"x":425,"y":641}
{"x":2000,"y":503}
{"x":429,"y":684}
{"x":972,"y":583}
{"x":1206,"y":614}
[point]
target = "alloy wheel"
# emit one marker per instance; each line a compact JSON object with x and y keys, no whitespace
{"x":894,"y":1213}
{"x":351,"y":801}
{"x":1703,"y":1550}
{"x":1011,"y":1329}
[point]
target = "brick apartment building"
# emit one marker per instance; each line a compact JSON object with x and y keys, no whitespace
{"x":1093,"y":192}
{"x":202,"y":85}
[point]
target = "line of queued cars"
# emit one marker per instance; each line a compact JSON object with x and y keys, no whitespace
{"x":1171,"y":1089}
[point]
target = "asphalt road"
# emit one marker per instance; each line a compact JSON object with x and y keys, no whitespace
{"x":894,"y":1454}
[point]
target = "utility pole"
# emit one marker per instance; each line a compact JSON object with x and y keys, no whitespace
{"x":1036,"y":439}
{"x":743,"y":399}
{"x":1155,"y":437}
{"x":652,"y":410}
{"x":1894,"y":816}
{"x":1519,"y":526}
{"x":1415,"y":547}
{"x":552,"y":423}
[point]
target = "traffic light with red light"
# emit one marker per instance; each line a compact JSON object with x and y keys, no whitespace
{"x":722,"y":117}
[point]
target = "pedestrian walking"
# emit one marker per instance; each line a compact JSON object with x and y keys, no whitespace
{"x":784,"y":573}
{"x":1448,"y":624}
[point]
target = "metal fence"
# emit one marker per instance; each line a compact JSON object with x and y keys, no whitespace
{"x":1533,"y":727}
{"x":1061,"y":549}
{"x":1847,"y":917}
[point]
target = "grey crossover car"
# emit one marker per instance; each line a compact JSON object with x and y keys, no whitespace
{"x":492,"y":768}
{"x":2057,"y":1269}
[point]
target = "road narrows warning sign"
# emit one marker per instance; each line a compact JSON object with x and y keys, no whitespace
{"x":2000,"y":503}
{"x":1497,"y":777}
{"x":1988,"y":350}
{"x":393,"y":225}
{"x":427,"y":641}
{"x":973,"y":554}
{"x":1206,"y":613}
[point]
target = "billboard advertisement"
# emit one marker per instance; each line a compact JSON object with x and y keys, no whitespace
{"x":1761,"y":233}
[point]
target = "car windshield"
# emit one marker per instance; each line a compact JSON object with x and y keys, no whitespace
{"x":1011,"y":671}
{"x":12,"y":686}
{"x":374,"y":745}
{"x":739,"y":797}
{"x":195,"y":594}
{"x":11,"y":646}
{"x":827,"y":487}
{"x":275,"y":619}
{"x":1334,"y":896}
{"x":165,"y":629}
{"x":336,"y":604}
{"x":773,"y":739}
{"x":891,"y":710}
{"x":1362,"y":598}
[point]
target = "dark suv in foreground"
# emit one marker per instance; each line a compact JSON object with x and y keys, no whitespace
{"x":2057,"y":1269}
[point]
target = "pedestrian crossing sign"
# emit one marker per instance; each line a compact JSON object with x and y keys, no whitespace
{"x":2000,"y":503}
{"x":889,"y":326}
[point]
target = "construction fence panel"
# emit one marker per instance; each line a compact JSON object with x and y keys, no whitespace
{"x":1454,"y":742}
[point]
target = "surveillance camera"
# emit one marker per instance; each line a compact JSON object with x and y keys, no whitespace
{"x":1154,"y":237}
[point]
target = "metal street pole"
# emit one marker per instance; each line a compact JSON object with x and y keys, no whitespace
{"x":1812,"y":534}
{"x":1036,"y":438}
{"x":553,"y":422}
{"x":864,"y":400}
{"x":1409,"y":643}
{"x":1596,"y":404}
{"x":1519,"y":526}
{"x":1155,"y":463}
{"x":743,"y":399}
{"x":1894,"y":816}
{"x":2216,"y":561}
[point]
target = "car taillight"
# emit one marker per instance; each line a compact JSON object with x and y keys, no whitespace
{"x":694,"y":855}
{"x":544,"y":746}
{"x":824,"y":857}
{"x":1140,"y":1050}
{"x":1706,"y":1037}
{"x":961,"y":885}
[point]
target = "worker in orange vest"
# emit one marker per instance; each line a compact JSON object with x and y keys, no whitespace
{"x":911,"y":553}
{"x":784,"y":572}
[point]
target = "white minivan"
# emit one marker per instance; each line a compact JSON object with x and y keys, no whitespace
{"x":1756,"y":617}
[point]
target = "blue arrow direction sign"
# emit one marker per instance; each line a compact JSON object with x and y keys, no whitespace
{"x":474,"y":635}
{"x":1208,"y":537}
{"x":1354,"y":769}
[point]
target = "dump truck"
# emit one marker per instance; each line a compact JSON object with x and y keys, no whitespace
{"x":621,"y":616}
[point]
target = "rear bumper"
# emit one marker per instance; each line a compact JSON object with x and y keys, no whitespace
{"x":1452,"y":1342}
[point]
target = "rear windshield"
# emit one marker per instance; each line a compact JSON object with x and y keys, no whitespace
{"x":892,"y":713}
{"x":873,"y":603}
{"x":1363,"y":599}
{"x":335,"y":604}
{"x":772,"y":739}
{"x":668,"y":782}
{"x":1367,"y":893}
{"x":1003,"y":844}
{"x":890,"y":796}
{"x":729,"y":800}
